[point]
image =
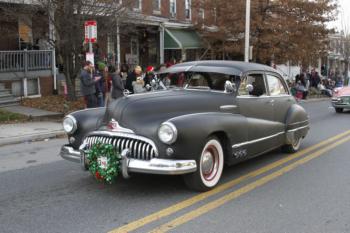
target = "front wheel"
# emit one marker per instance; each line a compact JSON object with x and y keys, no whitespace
{"x":209,"y":167}
{"x":339,"y":110}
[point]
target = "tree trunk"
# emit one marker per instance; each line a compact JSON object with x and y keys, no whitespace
{"x":69,"y":79}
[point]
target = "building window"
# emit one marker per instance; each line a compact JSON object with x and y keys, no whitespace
{"x":172,"y":8}
{"x":156,"y":5}
{"x":201,"y":14}
{"x":138,"y":5}
{"x":188,"y":9}
{"x":215,"y":15}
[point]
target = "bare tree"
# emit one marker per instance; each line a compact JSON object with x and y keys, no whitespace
{"x":345,"y":28}
{"x":281,"y":30}
{"x":67,"y":17}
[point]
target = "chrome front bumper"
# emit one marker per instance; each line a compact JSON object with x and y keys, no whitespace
{"x":153,"y":166}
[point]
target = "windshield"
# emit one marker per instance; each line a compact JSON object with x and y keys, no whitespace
{"x":199,"y":80}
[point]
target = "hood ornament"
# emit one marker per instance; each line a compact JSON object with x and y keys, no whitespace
{"x":114,"y":126}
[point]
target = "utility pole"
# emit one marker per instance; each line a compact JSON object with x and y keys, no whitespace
{"x":247,"y":31}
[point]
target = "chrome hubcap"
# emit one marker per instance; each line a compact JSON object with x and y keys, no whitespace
{"x":210,"y":163}
{"x":207,"y":163}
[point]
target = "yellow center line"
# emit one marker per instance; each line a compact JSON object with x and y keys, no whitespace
{"x":233,"y":195}
{"x":202,"y":196}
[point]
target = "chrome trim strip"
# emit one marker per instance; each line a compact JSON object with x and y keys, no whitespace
{"x":299,"y":128}
{"x":256,"y":140}
{"x":263,"y":96}
{"x":299,"y":122}
{"x":228,"y":107}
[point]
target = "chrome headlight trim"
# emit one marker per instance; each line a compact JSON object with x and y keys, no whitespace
{"x":69,"y":119}
{"x":167,"y":126}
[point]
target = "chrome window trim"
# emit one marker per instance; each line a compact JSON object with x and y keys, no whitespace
{"x":262,"y":96}
{"x":256,"y":140}
{"x":278,"y":76}
{"x":124,"y":135}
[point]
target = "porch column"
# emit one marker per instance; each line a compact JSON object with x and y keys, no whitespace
{"x":118,"y":46}
{"x":161,"y":44}
{"x":183,"y":54}
{"x":52,"y":40}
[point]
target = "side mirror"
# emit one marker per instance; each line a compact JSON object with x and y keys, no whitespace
{"x":249,"y":88}
{"x":126,"y":92}
{"x":148,"y":87}
{"x":229,"y":87}
{"x":153,"y":83}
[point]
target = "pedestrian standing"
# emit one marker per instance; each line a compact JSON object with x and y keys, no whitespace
{"x":88,"y":85}
{"x":101,"y":84}
{"x":132,"y":78}
{"x":124,"y":72}
{"x":117,"y":87}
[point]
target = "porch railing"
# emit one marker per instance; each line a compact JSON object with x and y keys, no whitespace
{"x":24,"y":61}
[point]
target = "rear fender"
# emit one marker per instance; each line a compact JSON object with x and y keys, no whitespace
{"x":297,"y":123}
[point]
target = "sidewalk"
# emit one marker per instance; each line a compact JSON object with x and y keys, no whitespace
{"x":31,"y":131}
{"x":34,"y":113}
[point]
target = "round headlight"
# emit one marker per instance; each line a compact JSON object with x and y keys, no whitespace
{"x":69,"y":124}
{"x":167,"y":133}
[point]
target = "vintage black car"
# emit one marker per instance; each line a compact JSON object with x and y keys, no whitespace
{"x":209,"y":113}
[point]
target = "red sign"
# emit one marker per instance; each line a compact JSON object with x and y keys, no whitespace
{"x":90,"y":31}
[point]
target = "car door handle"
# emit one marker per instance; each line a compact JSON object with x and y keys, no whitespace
{"x":271,"y":101}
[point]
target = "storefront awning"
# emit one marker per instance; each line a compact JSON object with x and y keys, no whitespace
{"x":181,"y":39}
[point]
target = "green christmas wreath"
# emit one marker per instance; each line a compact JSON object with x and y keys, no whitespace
{"x":104,"y":162}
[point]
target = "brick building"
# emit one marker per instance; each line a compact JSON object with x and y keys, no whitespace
{"x":153,"y":32}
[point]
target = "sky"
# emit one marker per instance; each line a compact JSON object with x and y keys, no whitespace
{"x":344,"y":15}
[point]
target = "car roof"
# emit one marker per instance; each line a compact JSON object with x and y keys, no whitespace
{"x":218,"y":66}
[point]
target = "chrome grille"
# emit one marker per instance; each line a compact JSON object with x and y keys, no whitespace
{"x":139,"y":148}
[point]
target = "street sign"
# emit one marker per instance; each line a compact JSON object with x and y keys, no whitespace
{"x":90,"y":31}
{"x":90,"y":57}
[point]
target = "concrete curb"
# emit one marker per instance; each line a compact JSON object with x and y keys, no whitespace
{"x":315,"y":100}
{"x":31,"y":137}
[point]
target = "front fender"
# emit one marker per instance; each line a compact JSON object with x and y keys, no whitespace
{"x":87,"y":120}
{"x":194,"y":129}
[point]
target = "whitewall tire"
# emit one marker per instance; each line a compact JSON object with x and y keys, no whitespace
{"x":210,"y":165}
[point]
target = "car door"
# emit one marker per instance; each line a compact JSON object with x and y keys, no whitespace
{"x":279,"y":95}
{"x":257,"y":106}
{"x":281,"y":101}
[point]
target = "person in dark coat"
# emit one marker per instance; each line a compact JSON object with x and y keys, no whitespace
{"x":132,"y":78}
{"x":117,"y":84}
{"x":87,"y":86}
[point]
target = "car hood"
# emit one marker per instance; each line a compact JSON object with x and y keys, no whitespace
{"x":143,"y":113}
{"x":343,"y":91}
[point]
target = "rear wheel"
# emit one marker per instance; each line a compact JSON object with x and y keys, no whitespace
{"x":294,"y":147}
{"x":339,"y":110}
{"x":209,"y":167}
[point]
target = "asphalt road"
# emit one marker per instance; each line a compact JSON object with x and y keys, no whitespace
{"x":304,"y":192}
